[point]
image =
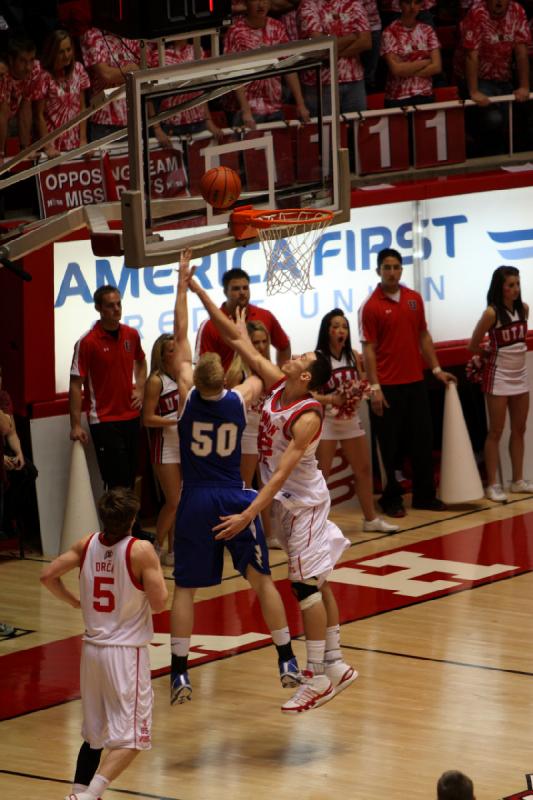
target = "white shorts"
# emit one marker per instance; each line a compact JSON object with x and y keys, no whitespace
{"x":249,"y":435}
{"x":164,"y":445}
{"x":116,"y":697}
{"x":313,"y":543}
{"x":335,"y":429}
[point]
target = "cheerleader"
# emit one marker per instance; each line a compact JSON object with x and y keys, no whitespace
{"x":340,"y":398}
{"x":504,"y":380}
{"x":160,"y":414}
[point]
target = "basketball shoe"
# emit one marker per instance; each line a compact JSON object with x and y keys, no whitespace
{"x":180,"y":687}
{"x":314,"y":692}
{"x":340,"y":674}
{"x":82,"y":796}
{"x":379,"y":525}
{"x":289,"y":673}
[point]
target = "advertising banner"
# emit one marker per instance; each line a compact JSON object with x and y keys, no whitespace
{"x":450,"y":247}
{"x":83,"y":182}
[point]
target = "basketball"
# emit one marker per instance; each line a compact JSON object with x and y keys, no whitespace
{"x":220,"y":187}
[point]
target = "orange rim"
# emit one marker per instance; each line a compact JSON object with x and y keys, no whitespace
{"x":282,"y":217}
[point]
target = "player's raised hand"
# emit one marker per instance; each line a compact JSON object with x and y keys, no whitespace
{"x":240,"y":321}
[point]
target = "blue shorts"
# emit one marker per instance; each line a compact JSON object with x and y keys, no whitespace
{"x":198,"y":557}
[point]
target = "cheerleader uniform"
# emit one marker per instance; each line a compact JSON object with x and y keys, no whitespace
{"x":341,"y":422}
{"x":505,"y":371}
{"x":164,"y":443}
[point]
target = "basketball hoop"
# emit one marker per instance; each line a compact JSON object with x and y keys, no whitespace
{"x":289,"y":237}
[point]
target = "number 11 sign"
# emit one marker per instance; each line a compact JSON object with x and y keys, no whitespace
{"x":382,"y":144}
{"x":439,"y":137}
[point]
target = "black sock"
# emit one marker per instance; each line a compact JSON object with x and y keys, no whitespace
{"x":285,"y":651}
{"x":87,"y":764}
{"x":178,"y":663}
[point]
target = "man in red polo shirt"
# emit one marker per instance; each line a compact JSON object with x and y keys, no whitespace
{"x":105,"y":359}
{"x":394,"y":335}
{"x":236,"y":285}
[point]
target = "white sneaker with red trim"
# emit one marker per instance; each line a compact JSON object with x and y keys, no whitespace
{"x":341,"y":675}
{"x":314,"y":692}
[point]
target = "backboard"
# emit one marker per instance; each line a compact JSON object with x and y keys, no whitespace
{"x":282,"y":164}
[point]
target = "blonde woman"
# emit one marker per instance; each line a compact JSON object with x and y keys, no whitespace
{"x":160,"y":415}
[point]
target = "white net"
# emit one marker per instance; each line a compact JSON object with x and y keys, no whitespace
{"x":289,"y":240}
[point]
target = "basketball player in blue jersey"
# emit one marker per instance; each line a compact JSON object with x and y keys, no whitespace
{"x":211,"y":422}
{"x":289,"y":432}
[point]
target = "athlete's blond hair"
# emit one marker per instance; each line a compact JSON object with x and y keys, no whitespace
{"x":208,"y":374}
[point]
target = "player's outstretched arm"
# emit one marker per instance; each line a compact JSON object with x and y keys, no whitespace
{"x":182,"y":347}
{"x":304,"y":431}
{"x":232,"y":335}
{"x":51,"y":576}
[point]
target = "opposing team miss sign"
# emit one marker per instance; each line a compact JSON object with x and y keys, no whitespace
{"x":88,"y":181}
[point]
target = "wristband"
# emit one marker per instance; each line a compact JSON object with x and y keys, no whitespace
{"x":375,"y":387}
{"x":436,"y":370}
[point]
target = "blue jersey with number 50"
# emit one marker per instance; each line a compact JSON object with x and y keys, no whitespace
{"x":210,"y":434}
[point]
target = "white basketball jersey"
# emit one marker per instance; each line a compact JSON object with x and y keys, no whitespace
{"x":305,"y":486}
{"x":115,"y":608}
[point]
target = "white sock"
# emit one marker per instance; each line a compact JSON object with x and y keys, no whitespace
{"x":315,"y":655}
{"x":333,"y":643}
{"x":281,"y":636}
{"x":180,"y":646}
{"x":98,"y":785}
{"x":78,"y":787}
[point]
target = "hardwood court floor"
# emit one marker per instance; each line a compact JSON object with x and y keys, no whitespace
{"x":437,"y":620}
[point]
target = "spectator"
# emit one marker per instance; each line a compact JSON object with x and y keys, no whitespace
{"x":411,"y":50}
{"x":16,"y":502}
{"x":17,"y":92}
{"x":454,"y":785}
{"x":60,"y":93}
{"x":108,"y":59}
{"x":394,"y":334}
{"x":261,"y":101}
{"x":236,"y":285}
{"x":105,"y":358}
{"x":192,"y":120}
{"x":491,"y":33}
{"x":287,"y":13}
{"x":347,"y":20}
{"x":391,"y":10}
{"x":370,"y":58}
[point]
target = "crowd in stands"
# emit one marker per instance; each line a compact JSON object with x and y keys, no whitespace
{"x":398,"y":51}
